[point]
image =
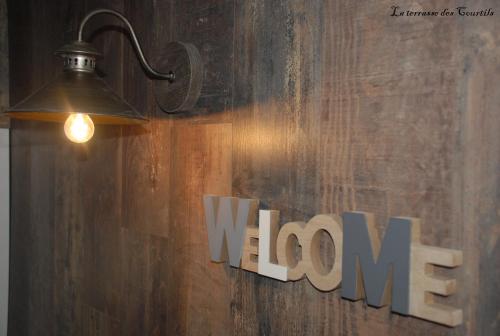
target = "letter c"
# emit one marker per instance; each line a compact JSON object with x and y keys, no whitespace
{"x":284,"y":249}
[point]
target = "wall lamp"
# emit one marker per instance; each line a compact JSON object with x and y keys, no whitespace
{"x":80,"y":98}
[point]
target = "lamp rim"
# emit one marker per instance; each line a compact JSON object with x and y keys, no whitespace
{"x":79,"y":48}
{"x":60,"y":117}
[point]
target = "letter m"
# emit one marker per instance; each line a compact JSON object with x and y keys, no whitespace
{"x":372,"y":271}
{"x":227,"y":219}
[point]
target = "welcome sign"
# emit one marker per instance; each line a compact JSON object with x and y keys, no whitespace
{"x":397,"y":271}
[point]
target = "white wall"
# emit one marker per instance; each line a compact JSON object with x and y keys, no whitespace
{"x":4,"y":228}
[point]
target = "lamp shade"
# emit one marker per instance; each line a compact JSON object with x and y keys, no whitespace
{"x":77,"y":90}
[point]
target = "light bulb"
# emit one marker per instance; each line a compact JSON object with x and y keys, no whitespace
{"x":79,"y":127}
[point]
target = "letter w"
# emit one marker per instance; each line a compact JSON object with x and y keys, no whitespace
{"x":227,"y":219}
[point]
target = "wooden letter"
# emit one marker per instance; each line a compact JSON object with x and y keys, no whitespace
{"x":423,"y":284}
{"x":268,"y":231}
{"x":250,"y":250}
{"x":308,"y":238}
{"x":285,"y":249}
{"x":233,"y":217}
{"x":378,"y":272}
{"x":316,"y":272}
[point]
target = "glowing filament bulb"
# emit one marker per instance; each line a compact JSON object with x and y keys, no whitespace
{"x":79,"y":127}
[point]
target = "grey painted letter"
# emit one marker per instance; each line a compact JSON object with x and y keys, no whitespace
{"x":366,"y":272}
{"x":228,"y":217}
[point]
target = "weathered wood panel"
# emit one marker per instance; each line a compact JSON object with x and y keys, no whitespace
{"x":4,"y":171}
{"x":4,"y":63}
{"x":310,"y":106}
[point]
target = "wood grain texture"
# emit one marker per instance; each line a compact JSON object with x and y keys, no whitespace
{"x":425,"y":284}
{"x":203,"y":162}
{"x":5,"y":171}
{"x":4,"y":64}
{"x":249,"y":259}
{"x":311,"y":106}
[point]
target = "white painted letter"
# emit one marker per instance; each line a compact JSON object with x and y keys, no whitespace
{"x":268,"y":232}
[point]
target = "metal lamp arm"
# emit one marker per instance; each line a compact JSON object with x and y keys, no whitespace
{"x":142,"y":59}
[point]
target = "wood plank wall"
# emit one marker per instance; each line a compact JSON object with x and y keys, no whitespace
{"x":4,"y":63}
{"x":310,"y":106}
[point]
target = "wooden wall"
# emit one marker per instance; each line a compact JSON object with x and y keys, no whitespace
{"x":310,"y":106}
{"x":4,"y":63}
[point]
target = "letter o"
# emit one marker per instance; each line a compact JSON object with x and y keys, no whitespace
{"x":317,"y":274}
